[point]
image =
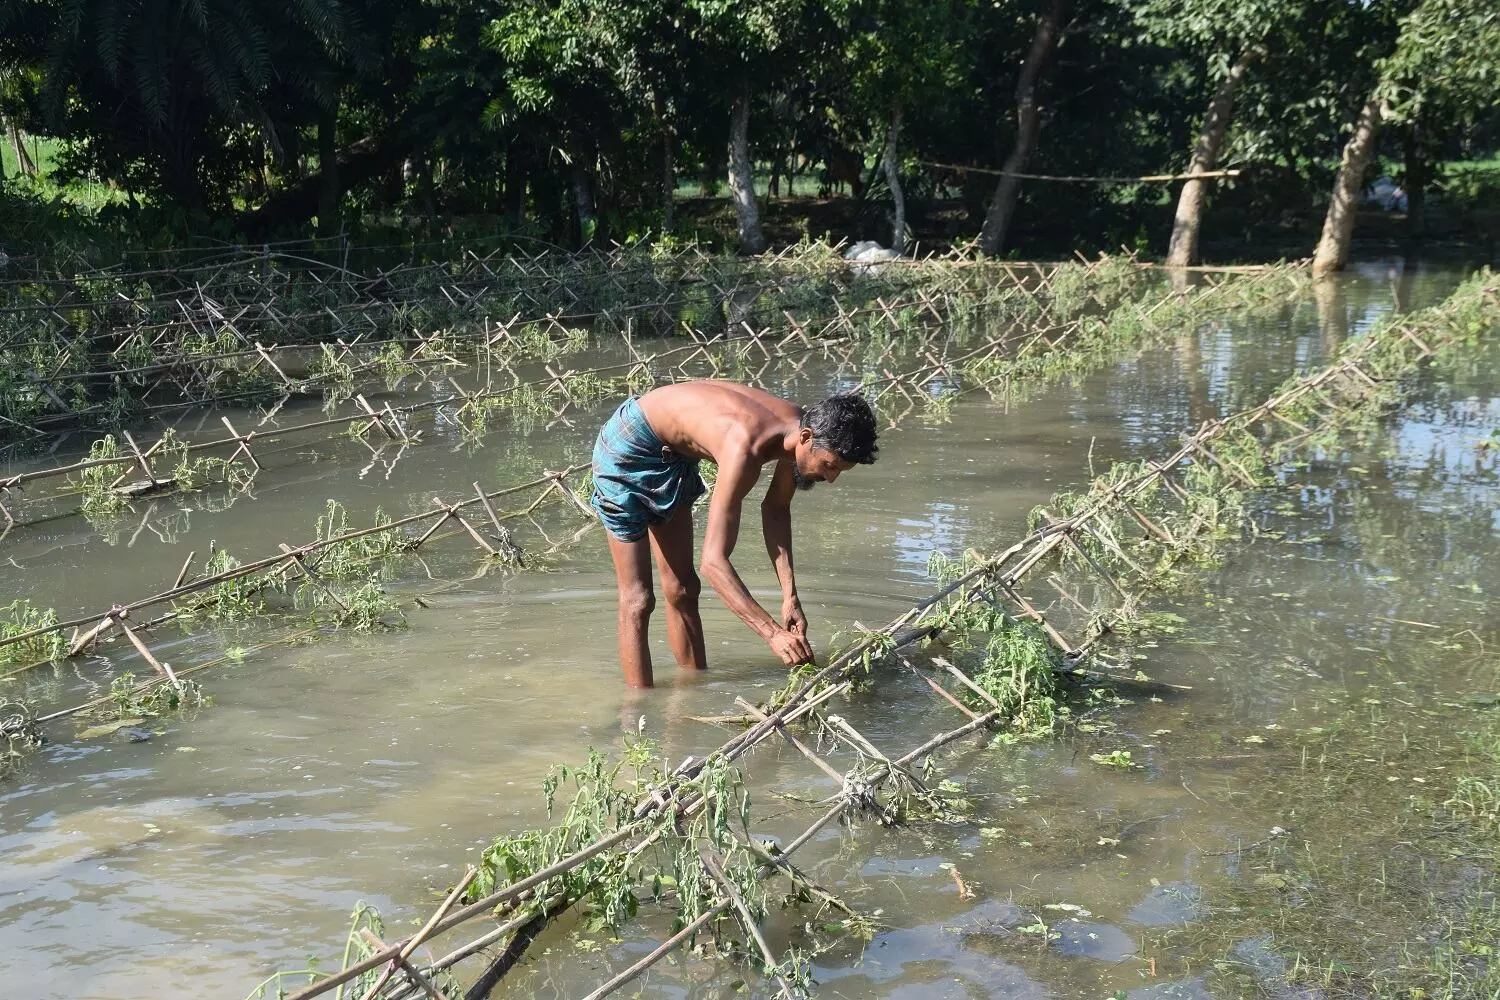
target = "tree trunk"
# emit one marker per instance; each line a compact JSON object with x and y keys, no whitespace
{"x":25,"y":166}
{"x":1028,"y":124}
{"x":329,"y":191}
{"x":1183,"y":249}
{"x":892,"y":163}
{"x":1338,"y":224}
{"x":668,"y":181}
{"x":515,"y":185}
{"x":420,"y":175}
{"x":357,"y":163}
{"x":742,"y":174}
{"x":1415,"y":182}
{"x":583,"y":205}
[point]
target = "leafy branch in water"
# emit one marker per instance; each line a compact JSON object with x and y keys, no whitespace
{"x":97,"y":483}
{"x":20,"y":617}
{"x":127,"y":701}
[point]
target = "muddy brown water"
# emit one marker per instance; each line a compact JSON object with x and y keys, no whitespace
{"x":237,"y":840}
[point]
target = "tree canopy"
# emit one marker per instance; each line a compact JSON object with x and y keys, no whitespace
{"x":567,"y":120}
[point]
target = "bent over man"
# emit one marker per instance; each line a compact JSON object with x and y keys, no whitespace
{"x":646,"y":479}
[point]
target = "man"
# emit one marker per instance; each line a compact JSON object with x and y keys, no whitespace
{"x":646,"y":479}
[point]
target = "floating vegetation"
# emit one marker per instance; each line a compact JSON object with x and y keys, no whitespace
{"x":127,"y":699}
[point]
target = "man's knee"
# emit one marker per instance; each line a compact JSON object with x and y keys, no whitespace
{"x":636,"y":603}
{"x":682,"y":593}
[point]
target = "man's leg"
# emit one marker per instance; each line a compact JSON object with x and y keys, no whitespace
{"x":672,"y":542}
{"x":633,"y":577}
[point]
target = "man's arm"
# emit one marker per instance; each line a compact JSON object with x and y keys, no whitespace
{"x":776,"y":523}
{"x":737,"y":474}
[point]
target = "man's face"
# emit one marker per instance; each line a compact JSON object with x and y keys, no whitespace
{"x":815,"y":465}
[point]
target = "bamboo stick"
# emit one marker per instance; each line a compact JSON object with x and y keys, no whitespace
{"x":1146,"y":179}
{"x":747,"y":920}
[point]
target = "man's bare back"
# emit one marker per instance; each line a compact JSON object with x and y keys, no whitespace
{"x":645,"y":474}
{"x":709,"y":419}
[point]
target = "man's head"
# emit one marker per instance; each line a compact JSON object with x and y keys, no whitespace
{"x":837,"y":434}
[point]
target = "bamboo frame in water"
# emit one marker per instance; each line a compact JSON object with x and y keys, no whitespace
{"x":251,"y":295}
{"x":841,"y":332}
{"x":1326,"y":401}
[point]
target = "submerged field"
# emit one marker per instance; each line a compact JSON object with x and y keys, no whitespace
{"x":1289,"y":789}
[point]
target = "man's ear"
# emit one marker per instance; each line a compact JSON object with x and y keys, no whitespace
{"x":805,"y":435}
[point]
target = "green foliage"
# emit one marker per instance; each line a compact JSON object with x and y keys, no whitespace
{"x":1018,"y":671}
{"x":353,"y":557}
{"x":233,"y":600}
{"x":554,"y":122}
{"x":98,"y":495}
{"x":20,"y":617}
{"x":609,"y":886}
{"x":193,"y":473}
{"x":127,"y":702}
{"x":1447,"y":57}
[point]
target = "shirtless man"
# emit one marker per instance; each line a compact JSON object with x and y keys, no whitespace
{"x":646,"y":479}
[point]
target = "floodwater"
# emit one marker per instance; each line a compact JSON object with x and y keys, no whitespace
{"x":236,"y":841}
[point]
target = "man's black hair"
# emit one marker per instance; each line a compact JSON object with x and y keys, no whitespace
{"x":845,"y":425}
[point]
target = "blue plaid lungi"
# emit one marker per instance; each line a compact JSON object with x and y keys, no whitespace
{"x":638,"y":480}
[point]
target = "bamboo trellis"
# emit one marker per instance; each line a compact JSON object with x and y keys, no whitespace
{"x":551,"y":485}
{"x":1162,"y":500}
{"x":116,"y":620}
{"x":192,"y":338}
{"x":918,"y":323}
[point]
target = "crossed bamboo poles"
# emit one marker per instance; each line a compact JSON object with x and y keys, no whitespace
{"x":612,"y":290}
{"x":838,"y":332}
{"x":552,"y":484}
{"x":199,"y":377}
{"x":115,"y":618}
{"x":1322,"y":402}
{"x":840,"y":329}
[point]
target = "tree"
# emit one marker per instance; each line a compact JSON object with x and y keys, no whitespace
{"x":159,"y":90}
{"x":904,"y":56}
{"x":1230,"y":35}
{"x":1447,"y":53}
{"x":1028,"y":126}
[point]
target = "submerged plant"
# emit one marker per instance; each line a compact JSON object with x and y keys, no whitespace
{"x":1019,"y":672}
{"x":363,"y":608}
{"x":236,"y":599}
{"x":351,"y":558}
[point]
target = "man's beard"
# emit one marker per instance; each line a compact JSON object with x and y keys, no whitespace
{"x":801,"y":481}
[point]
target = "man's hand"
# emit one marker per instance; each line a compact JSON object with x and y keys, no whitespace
{"x":792,"y":617}
{"x":792,"y":647}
